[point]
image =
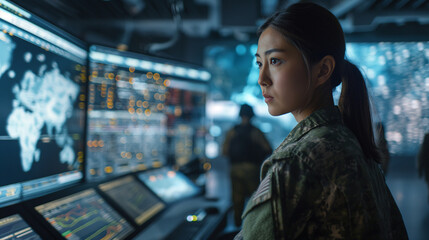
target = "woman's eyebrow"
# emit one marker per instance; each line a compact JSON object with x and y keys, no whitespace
{"x":271,"y":51}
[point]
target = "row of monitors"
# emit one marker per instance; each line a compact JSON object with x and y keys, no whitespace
{"x":111,"y":210}
{"x":71,"y":112}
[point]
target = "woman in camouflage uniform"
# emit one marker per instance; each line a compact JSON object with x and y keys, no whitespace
{"x":324,"y":181}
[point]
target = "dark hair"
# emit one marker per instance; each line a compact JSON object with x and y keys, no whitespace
{"x":316,"y":33}
{"x":422,"y":158}
{"x":246,"y":111}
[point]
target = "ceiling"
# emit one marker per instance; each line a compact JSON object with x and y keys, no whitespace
{"x":157,"y":26}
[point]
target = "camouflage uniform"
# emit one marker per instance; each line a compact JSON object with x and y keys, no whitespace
{"x":318,"y":185}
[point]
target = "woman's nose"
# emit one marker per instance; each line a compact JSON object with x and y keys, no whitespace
{"x":264,"y":80}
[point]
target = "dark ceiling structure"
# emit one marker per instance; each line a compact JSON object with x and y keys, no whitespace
{"x":181,"y":28}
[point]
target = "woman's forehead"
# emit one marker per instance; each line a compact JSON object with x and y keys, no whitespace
{"x":273,"y":39}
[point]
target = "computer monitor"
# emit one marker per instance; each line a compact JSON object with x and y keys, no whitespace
{"x":169,"y":185}
{"x":84,"y":215}
{"x":43,"y":86}
{"x":13,"y":227}
{"x":129,"y":111}
{"x":134,"y":198}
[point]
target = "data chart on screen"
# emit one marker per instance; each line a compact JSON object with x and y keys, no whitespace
{"x":135,"y":199}
{"x":15,"y":228}
{"x":85,"y":215}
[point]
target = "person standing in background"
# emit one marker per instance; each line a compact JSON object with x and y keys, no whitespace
{"x":246,"y":147}
{"x":423,"y":160}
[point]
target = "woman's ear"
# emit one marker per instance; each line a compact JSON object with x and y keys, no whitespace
{"x":323,"y":70}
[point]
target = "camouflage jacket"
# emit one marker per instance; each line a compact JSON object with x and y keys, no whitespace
{"x":318,"y":185}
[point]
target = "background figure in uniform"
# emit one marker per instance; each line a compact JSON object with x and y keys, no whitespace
{"x":246,"y":147}
{"x":382,"y":147}
{"x":423,"y":160}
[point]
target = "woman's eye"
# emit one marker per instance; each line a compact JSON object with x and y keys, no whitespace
{"x":259,"y":64}
{"x":274,"y":61}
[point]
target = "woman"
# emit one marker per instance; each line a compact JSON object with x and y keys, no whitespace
{"x":324,"y":180}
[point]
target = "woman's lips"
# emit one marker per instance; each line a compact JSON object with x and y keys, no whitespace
{"x":268,"y":98}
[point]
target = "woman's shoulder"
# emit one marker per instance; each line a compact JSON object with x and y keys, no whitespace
{"x":321,"y":142}
{"x":324,"y":149}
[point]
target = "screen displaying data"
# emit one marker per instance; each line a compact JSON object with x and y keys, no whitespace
{"x":85,"y":215}
{"x":43,"y":76}
{"x":15,"y":228}
{"x":169,"y":185}
{"x":132,"y":116}
{"x":135,"y":199}
{"x":186,"y":106}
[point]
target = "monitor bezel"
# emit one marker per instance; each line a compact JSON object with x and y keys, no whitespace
{"x":52,"y":27}
{"x":153,"y":59}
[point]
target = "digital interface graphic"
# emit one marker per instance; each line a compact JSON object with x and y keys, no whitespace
{"x":85,"y":215}
{"x":140,"y":116}
{"x":127,"y":122}
{"x":136,"y":200}
{"x":186,"y":106}
{"x":15,"y":228}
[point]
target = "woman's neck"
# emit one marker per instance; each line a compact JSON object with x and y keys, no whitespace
{"x":317,"y":103}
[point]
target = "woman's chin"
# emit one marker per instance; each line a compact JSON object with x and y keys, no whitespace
{"x":274,"y":112}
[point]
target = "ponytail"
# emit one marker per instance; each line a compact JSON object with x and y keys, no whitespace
{"x":354,"y":105}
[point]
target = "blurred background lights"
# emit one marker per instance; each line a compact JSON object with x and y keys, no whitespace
{"x":253,"y":49}
{"x":266,"y":127}
{"x":146,"y":65}
{"x":115,"y":59}
{"x":180,"y":71}
{"x":97,"y":56}
{"x":212,"y":149}
{"x":204,"y":75}
{"x":215,"y":131}
{"x":168,"y":69}
{"x":240,"y":49}
{"x":132,"y":62}
{"x":158,"y":67}
{"x":192,"y":73}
